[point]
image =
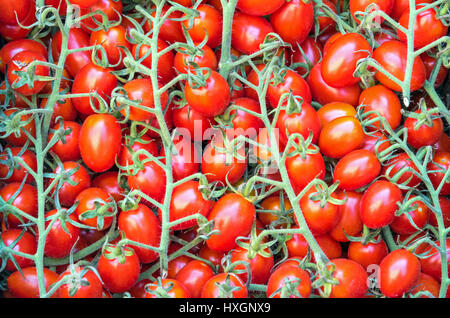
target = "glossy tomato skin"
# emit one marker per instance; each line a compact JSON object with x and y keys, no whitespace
{"x":356,"y":169}
{"x":352,"y":279}
{"x":130,"y":147}
{"x":13,"y":11}
{"x":331,"y":111}
{"x":399,"y":271}
{"x":302,"y":170}
{"x":67,"y":149}
{"x":260,"y":266}
{"x":21,"y":138}
{"x":341,"y":136}
{"x":368,"y":254}
{"x":423,"y":135}
{"x":11,"y":32}
{"x":324,"y":93}
{"x":339,"y":62}
{"x":293,"y":21}
{"x":391,"y":55}
{"x":376,"y":142}
{"x":292,"y":82}
{"x":170,"y":30}
{"x":92,"y":289}
{"x":173,"y":288}
{"x":208,"y":59}
{"x":211,"y":288}
{"x":191,"y":123}
{"x":194,"y":276}
{"x":444,"y":204}
{"x":289,"y":273}
{"x":398,"y":162}
{"x":111,"y":40}
{"x":100,"y":141}
{"x":379,"y":204}
{"x":233,"y":216}
{"x":430,"y":63}
{"x":259,"y":8}
{"x":25,"y":284}
{"x":429,"y":284}
{"x":10,"y":49}
{"x":62,"y":108}
{"x":350,"y":222}
{"x":419,"y":215}
{"x":432,"y":263}
{"x":26,"y":244}
{"x":141,"y":225}
{"x":83,"y":3}
{"x":245,"y":123}
{"x":150,"y":179}
{"x":311,"y":55}
{"x":112,"y":9}
{"x":361,"y":5}
{"x":86,"y":202}
{"x":440,"y":164}
{"x":209,"y":21}
{"x":248,"y":32}
{"x":187,"y":160}
{"x":26,"y":200}
{"x":17,"y":175}
{"x":62,"y":235}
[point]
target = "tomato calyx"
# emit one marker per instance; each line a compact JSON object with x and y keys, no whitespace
{"x":102,"y":209}
{"x":15,"y":123}
{"x":76,"y":277}
{"x":226,"y":288}
{"x":301,"y":147}
{"x":117,"y":251}
{"x":423,"y":116}
{"x":324,"y":194}
{"x":159,"y":289}
{"x":6,"y":254}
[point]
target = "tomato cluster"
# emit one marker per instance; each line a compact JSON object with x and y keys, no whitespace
{"x":215,"y":149}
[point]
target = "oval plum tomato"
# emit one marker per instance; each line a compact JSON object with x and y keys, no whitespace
{"x":10,"y":49}
{"x":94,"y":208}
{"x":368,"y":254}
{"x":207,"y":23}
{"x":426,"y":283}
{"x":350,"y":223}
{"x":379,"y":204}
{"x":292,"y":83}
{"x":150,"y":179}
{"x":108,"y":181}
{"x":80,"y":179}
{"x":376,"y":142}
{"x":118,"y":260}
{"x":312,"y":53}
{"x":67,"y":148}
{"x":170,"y":288}
{"x":259,"y":8}
{"x":210,"y":255}
{"x":384,"y":101}
{"x":418,"y":215}
{"x":11,"y":32}
{"x":83,"y":3}
{"x":20,"y":63}
{"x":331,"y":111}
{"x":293,"y":21}
{"x":351,"y":277}
{"x":141,"y":225}
{"x":220,"y":164}
{"x":325,"y":22}
{"x":260,"y":265}
{"x":187,"y":199}
{"x":19,"y":241}
{"x":426,"y":134}
{"x":339,"y":62}
{"x":305,"y":122}
{"x":427,"y":27}
{"x":205,"y":58}
{"x":437,"y":169}
{"x":244,"y":123}
{"x":18,"y":173}
{"x":143,"y":53}
{"x":304,"y":168}
{"x":130,"y":146}
{"x":287,"y":277}
{"x":170,"y":30}
{"x":430,"y":63}
{"x":275,"y":209}
{"x":356,"y":169}
{"x":215,"y":287}
{"x":233,"y":216}
{"x":100,"y":141}
{"x":391,"y":55}
{"x":341,"y":136}
{"x":19,"y":137}
{"x":215,"y":93}
{"x":324,"y":93}
{"x":186,"y":161}
{"x":24,"y":284}
{"x":249,"y":32}
{"x":194,"y":276}
{"x":297,"y":246}
{"x":329,"y":246}
{"x":62,"y":234}
{"x":399,"y":162}
{"x":321,"y":218}
{"x":191,"y":123}
{"x":431,"y":264}
{"x":361,"y":5}
{"x":111,"y":8}
{"x":399,"y":271}
{"x":92,"y":78}
{"x":401,"y":6}
{"x":81,"y":283}
{"x":25,"y":200}
{"x":330,"y":40}
{"x":112,"y":40}
{"x":13,"y":11}
{"x":77,"y":60}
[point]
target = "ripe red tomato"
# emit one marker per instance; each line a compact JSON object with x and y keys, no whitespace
{"x":108,"y":181}
{"x":356,"y":169}
{"x":285,"y":278}
{"x":213,"y":288}
{"x":233,"y":216}
{"x":431,"y":264}
{"x":419,"y":216}
{"x":13,"y":11}
{"x":244,"y":123}
{"x":312,"y":52}
{"x":19,"y":173}
{"x":437,"y":169}
{"x":67,"y":148}
{"x":112,"y":40}
{"x":323,"y":93}
{"x":129,"y":147}
{"x":339,"y":61}
{"x":213,"y":256}
{"x":187,"y":160}
{"x":21,"y":138}
{"x":194,"y":276}
{"x":26,"y":200}
{"x":273,"y":203}
{"x":352,"y":279}
{"x":24,"y":284}
{"x":170,"y":30}
{"x":62,"y":108}
{"x":293,"y":21}
{"x":191,"y":123}
{"x":401,"y":6}
{"x":20,"y":63}
{"x":207,"y":23}
{"x":361,"y":5}
{"x":391,"y":55}
{"x":100,"y":141}
{"x":183,"y":61}
{"x":368,"y":254}
{"x":399,"y":271}
{"x":430,"y":63}
{"x":118,"y":260}
{"x":331,"y":111}
{"x":249,"y":32}
{"x":172,"y":289}
{"x":92,"y":211}
{"x":83,"y":3}
{"x":150,"y":179}
{"x":326,"y":23}
{"x":341,"y":136}
{"x":62,"y":235}
{"x":376,"y":141}
{"x":11,"y":32}
{"x":350,"y":223}
{"x":398,"y":162}
{"x":426,"y":134}
{"x":82,"y":284}
{"x":215,"y":93}
{"x":426,"y":283}
{"x":260,"y":266}
{"x":25,"y":244}
{"x":111,"y":8}
{"x":444,"y":203}
{"x":292,"y":83}
{"x":259,"y":8}
{"x":141,"y":225}
{"x":379,"y":204}
{"x":10,"y":49}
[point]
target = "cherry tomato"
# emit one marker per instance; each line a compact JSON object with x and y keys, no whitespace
{"x":207,"y":23}
{"x":260,"y":265}
{"x":67,"y":147}
{"x":62,"y":234}
{"x":244,"y":123}
{"x":112,"y":40}
{"x":274,"y":204}
{"x":19,"y":173}
{"x":419,"y":216}
{"x":427,"y":283}
{"x":108,"y":181}
{"x":361,"y":5}
{"x":150,"y":179}
{"x":289,"y":275}
{"x":213,"y":289}
{"x":25,"y":200}
{"x":13,"y":11}
{"x":10,"y":49}
{"x":187,"y":160}
{"x":62,"y":108}
{"x":376,"y":142}
{"x":399,"y":162}
{"x":249,"y":32}
{"x":26,"y":243}
{"x":94,"y":208}
{"x":431,"y":264}
{"x":426,"y":134}
{"x":352,"y":279}
{"x":437,"y":168}
{"x":368,"y":254}
{"x":24,"y":284}
{"x":331,"y":111}
{"x":170,"y":30}
{"x":83,"y":3}
{"x":83,"y":284}
{"x":172,"y":289}
{"x":259,"y":8}
{"x":194,"y":276}
{"x":350,"y":223}
{"x":112,"y":9}
{"x":19,"y":137}
{"x":292,"y":83}
{"x":312,"y":53}
{"x":191,"y":123}
{"x":182,"y":61}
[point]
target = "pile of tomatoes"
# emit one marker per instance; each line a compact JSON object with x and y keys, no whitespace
{"x":241,"y":148}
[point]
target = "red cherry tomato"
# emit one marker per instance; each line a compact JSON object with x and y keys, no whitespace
{"x":92,"y":208}
{"x":20,"y":242}
{"x":194,"y":276}
{"x":249,"y":32}
{"x":352,"y":279}
{"x":24,"y":284}
{"x":25,"y":200}
{"x":208,"y":22}
{"x":62,"y":235}
{"x":368,"y":254}
{"x":286,"y":275}
{"x":212,"y":288}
